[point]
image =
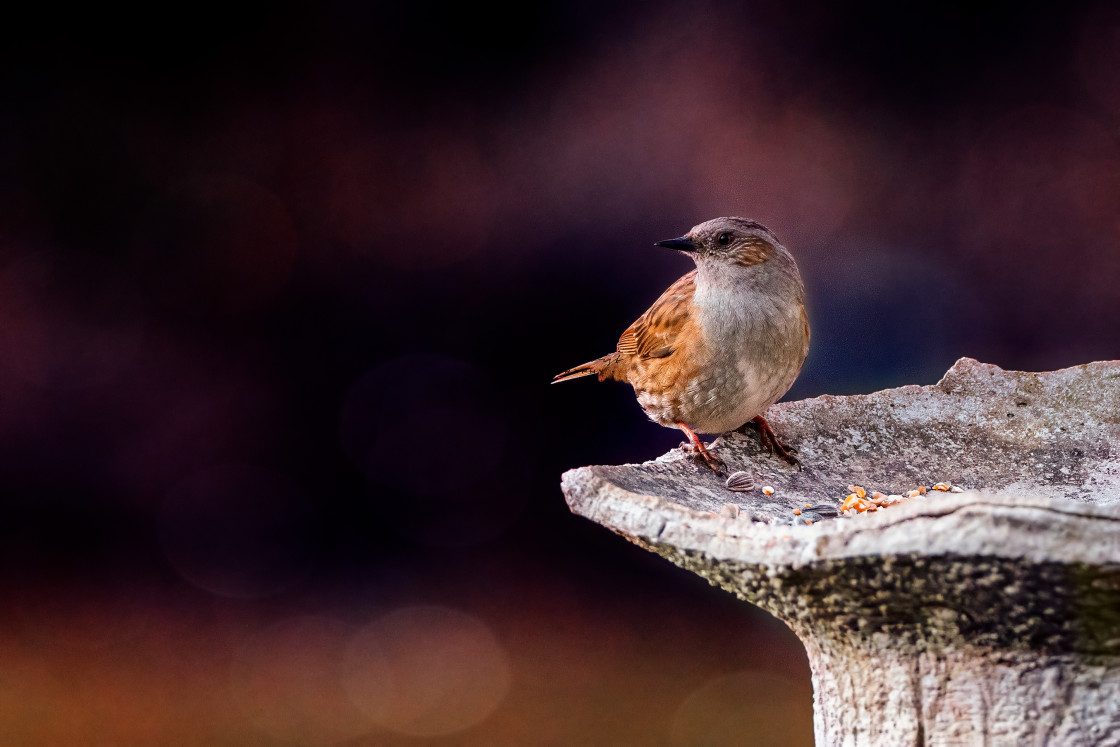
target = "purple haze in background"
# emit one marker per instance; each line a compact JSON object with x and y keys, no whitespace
{"x":281,"y":295}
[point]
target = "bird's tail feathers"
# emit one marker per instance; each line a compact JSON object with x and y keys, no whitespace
{"x":598,"y":367}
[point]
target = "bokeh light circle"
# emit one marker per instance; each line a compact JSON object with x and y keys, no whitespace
{"x":427,"y":671}
{"x":751,"y":707}
{"x":287,"y":680}
{"x":68,"y":322}
{"x":1097,"y":56}
{"x":238,"y":530}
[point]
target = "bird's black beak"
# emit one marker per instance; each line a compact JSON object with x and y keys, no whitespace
{"x":683,"y":244}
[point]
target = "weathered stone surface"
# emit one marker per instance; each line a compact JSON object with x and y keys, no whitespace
{"x":990,"y":616}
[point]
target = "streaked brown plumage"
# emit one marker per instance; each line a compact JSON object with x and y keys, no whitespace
{"x":723,"y":343}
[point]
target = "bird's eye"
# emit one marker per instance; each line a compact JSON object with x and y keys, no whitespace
{"x":724,"y":239}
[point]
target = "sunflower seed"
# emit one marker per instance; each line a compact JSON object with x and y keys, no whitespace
{"x":740,"y":482}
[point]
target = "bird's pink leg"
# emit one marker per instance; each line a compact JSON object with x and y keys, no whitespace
{"x":699,"y":448}
{"x":769,"y":439}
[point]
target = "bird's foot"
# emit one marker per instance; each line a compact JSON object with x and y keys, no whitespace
{"x":695,"y":446}
{"x":704,"y":453}
{"x":769,"y":440}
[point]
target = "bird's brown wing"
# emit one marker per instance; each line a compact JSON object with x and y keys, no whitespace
{"x":655,"y":333}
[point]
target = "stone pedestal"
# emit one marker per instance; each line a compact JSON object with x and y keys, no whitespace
{"x":990,"y":616}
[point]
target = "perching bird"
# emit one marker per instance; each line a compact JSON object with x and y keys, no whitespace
{"x":723,"y":343}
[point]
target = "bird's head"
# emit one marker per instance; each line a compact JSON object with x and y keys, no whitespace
{"x":736,"y":241}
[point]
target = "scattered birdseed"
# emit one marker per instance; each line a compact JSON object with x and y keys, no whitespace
{"x":857,"y":501}
{"x":818,"y":513}
{"x":740,"y":482}
{"x":767,"y":490}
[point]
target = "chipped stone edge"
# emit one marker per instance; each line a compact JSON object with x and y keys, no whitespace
{"x":1031,"y":528}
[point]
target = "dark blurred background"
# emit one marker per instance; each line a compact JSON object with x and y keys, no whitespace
{"x":282,"y":289}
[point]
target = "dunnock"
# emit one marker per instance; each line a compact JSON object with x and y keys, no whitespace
{"x":723,"y":343}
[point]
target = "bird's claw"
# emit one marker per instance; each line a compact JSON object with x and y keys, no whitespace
{"x":696,"y":446}
{"x":769,"y":441}
{"x":703,"y":453}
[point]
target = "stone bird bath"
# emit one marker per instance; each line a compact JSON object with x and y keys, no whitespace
{"x":990,"y":616}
